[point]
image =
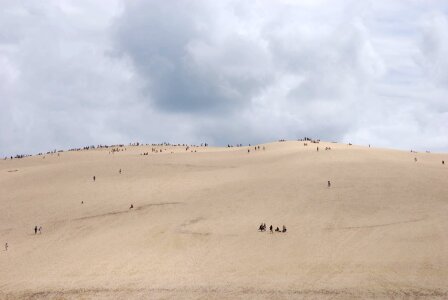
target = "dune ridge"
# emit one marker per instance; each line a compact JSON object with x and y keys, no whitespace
{"x":379,"y":231}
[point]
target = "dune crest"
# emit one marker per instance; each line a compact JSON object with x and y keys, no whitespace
{"x":379,"y":230}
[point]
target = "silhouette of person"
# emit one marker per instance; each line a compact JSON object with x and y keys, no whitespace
{"x":6,"y":246}
{"x":35,"y":229}
{"x":132,"y":206}
{"x":270,"y":228}
{"x":329,"y":183}
{"x":94,"y":178}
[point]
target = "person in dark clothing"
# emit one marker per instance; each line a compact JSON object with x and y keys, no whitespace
{"x":270,"y":228}
{"x":329,"y":183}
{"x":94,"y":178}
{"x":35,"y":229}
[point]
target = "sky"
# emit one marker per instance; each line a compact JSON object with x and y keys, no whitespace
{"x":87,"y":72}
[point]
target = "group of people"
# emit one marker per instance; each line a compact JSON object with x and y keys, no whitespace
{"x":256,"y":148}
{"x":36,"y":229}
{"x":262,"y":228}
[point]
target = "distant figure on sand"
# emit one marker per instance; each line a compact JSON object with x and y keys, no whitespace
{"x":443,"y":162}
{"x":94,"y":178}
{"x":82,"y":202}
{"x":270,"y":228}
{"x":35,"y":229}
{"x":6,"y":246}
{"x":277,"y":229}
{"x":284,"y":228}
{"x":415,"y":159}
{"x":132,"y":206}
{"x":119,"y":171}
{"x":317,"y":149}
{"x":329,"y":183}
{"x":40,"y":229}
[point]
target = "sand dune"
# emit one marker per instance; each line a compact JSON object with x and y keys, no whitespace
{"x":380,"y":231}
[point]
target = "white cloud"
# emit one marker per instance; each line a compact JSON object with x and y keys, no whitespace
{"x":89,"y":72}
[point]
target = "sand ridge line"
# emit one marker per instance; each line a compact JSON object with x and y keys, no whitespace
{"x":127,"y":210}
{"x":377,"y":225}
{"x":231,"y":292}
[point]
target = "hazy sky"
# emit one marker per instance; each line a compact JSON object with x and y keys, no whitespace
{"x":76,"y":73}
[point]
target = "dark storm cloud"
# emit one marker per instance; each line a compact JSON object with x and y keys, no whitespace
{"x":188,"y":65}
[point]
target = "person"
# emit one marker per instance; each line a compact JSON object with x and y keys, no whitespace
{"x":132,"y":206}
{"x":6,"y":246}
{"x":415,"y":159}
{"x":317,"y":149}
{"x":443,"y":162}
{"x":270,"y":228}
{"x":94,"y":178}
{"x":35,"y":229}
{"x":40,"y":229}
{"x":82,"y":202}
{"x":329,"y":183}
{"x":277,"y":229}
{"x":284,"y":228}
{"x":261,"y":227}
{"x":119,"y":171}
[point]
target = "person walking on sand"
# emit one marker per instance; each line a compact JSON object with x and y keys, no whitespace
{"x":329,"y":183}
{"x":270,"y":229}
{"x":35,"y":229}
{"x":119,"y":171}
{"x":94,"y":178}
{"x":6,"y":246}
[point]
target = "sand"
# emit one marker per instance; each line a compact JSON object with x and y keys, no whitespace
{"x":380,"y":231}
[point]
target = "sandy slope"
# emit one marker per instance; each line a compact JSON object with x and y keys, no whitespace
{"x":381,"y":230}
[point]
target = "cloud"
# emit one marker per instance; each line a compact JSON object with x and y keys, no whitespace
{"x":90,"y":72}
